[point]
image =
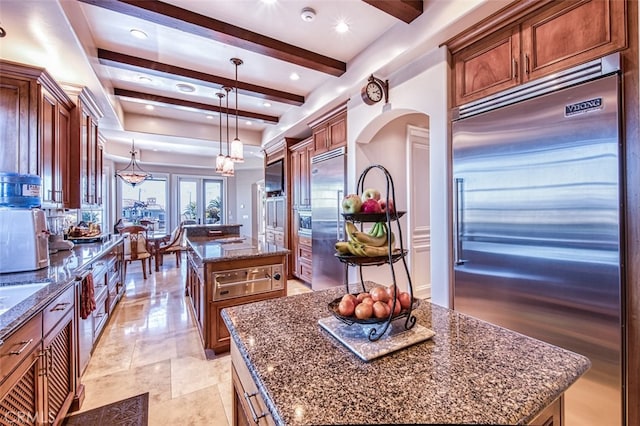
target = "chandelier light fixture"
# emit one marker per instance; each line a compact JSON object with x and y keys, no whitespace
{"x":133,"y":173}
{"x":227,"y":168}
{"x":220,"y":157}
{"x":237,"y":155}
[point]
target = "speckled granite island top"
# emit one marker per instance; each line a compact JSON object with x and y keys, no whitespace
{"x":61,"y":273}
{"x":232,"y":247}
{"x":469,"y":372}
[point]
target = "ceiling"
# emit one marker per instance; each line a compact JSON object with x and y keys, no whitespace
{"x":190,"y":44}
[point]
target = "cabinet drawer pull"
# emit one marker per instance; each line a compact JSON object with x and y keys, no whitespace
{"x":24,"y":344}
{"x":60,"y":306}
{"x":254,"y":415}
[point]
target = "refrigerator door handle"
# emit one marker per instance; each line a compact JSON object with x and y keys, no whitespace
{"x":339,"y":221}
{"x":457,"y":223}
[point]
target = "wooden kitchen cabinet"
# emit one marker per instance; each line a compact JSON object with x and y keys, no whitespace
{"x":39,"y":358}
{"x":86,"y":159}
{"x":330,"y":132}
{"x":301,"y":154}
{"x":525,"y":43}
{"x":303,"y":259}
{"x":275,"y":220}
{"x":19,"y":145}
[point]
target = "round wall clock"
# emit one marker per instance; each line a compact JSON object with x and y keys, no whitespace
{"x":374,"y":91}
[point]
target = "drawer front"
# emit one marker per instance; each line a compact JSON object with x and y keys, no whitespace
{"x":57,"y":309}
{"x":249,"y":392}
{"x":305,"y":270}
{"x":100,"y":314}
{"x":305,"y":241}
{"x":305,"y":253}
{"x":19,"y":345}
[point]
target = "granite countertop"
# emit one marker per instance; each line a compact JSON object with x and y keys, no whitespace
{"x":63,"y":268}
{"x":469,"y":372}
{"x":234,"y":247}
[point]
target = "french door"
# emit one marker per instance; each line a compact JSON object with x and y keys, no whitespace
{"x":200,"y":200}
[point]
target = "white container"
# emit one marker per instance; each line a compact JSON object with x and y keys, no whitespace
{"x":24,"y":240}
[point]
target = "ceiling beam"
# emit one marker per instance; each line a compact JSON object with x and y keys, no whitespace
{"x":405,"y":10}
{"x":190,"y":104}
{"x":135,"y":63}
{"x":204,"y":26}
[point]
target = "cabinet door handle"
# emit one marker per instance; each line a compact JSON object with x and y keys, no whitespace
{"x":60,"y":306}
{"x":254,"y":415}
{"x":24,"y":344}
{"x":514,"y":68}
{"x":526,"y":63}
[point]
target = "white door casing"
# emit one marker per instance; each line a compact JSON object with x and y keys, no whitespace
{"x":418,"y":207}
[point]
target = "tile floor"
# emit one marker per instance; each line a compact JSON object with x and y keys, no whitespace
{"x":151,"y":345}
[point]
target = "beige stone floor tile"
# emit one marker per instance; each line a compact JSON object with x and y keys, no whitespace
{"x":192,"y":374}
{"x":152,"y":378}
{"x":149,"y":350}
{"x":203,"y":407}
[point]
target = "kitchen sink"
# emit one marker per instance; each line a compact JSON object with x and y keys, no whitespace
{"x":11,"y":295}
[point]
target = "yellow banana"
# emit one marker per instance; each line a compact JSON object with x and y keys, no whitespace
{"x":369,"y":240}
{"x":350,"y":228}
{"x":376,"y":251}
{"x":357,"y":249}
{"x":342,"y":247}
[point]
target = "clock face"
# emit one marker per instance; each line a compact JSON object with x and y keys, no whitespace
{"x":374,"y":92}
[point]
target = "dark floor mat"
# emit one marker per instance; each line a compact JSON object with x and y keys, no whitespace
{"x":132,"y":411}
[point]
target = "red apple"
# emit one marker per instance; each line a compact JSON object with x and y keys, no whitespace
{"x":351,"y":203}
{"x":383,"y":205}
{"x":371,"y":206}
{"x":370,"y":193}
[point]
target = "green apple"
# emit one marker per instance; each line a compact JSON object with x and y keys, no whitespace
{"x":351,"y":203}
{"x":370,"y":193}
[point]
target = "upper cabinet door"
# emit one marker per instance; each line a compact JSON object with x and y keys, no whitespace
{"x":487,"y":67}
{"x":572,"y":33}
{"x":19,"y":152}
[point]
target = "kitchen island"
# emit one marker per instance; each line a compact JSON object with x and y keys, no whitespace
{"x":287,"y":370}
{"x":228,"y":271}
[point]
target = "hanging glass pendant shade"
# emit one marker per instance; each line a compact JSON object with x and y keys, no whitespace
{"x":133,"y":173}
{"x":220,"y":157}
{"x":227,"y":167}
{"x":237,"y":149}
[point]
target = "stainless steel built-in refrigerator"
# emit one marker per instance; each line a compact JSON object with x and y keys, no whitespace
{"x":537,"y":223}
{"x":328,"y":178}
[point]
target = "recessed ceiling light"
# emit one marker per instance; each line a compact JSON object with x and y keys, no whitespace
{"x":269,"y":1}
{"x":186,"y":88}
{"x":342,"y":26}
{"x":248,"y":123}
{"x":139,"y":34}
{"x":294,"y":76}
{"x":144,"y":79}
{"x":266,"y":104}
{"x":209,"y":117}
{"x":149,"y":107}
{"x":307,"y":14}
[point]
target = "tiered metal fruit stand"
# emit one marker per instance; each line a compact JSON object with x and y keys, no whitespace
{"x":378,"y":326}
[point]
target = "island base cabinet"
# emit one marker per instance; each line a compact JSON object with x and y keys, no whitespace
{"x":553,"y":415}
{"x":248,"y":406}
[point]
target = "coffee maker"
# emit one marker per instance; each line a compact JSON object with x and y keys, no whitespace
{"x":23,"y":240}
{"x":56,"y":234}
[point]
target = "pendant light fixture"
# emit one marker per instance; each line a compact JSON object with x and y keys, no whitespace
{"x":237,"y":155}
{"x":220,"y":157}
{"x":227,"y":168}
{"x":133,"y":173}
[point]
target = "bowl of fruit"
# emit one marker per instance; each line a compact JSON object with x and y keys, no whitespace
{"x":373,"y":306}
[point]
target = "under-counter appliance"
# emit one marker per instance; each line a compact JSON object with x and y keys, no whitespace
{"x":537,"y":223}
{"x":24,"y":240}
{"x":305,"y":223}
{"x":328,"y":183}
{"x":247,"y":281}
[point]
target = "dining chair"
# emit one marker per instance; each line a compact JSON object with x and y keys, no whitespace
{"x":173,"y":243}
{"x":135,"y":247}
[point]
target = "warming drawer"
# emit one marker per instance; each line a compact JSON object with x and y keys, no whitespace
{"x":247,"y":281}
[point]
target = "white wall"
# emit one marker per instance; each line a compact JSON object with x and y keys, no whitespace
{"x":246,"y":210}
{"x":419,"y":87}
